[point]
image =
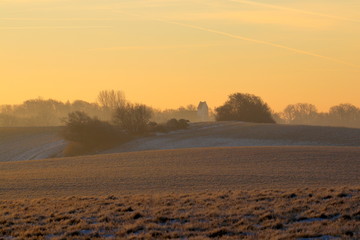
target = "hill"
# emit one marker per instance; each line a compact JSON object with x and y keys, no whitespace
{"x":234,"y":134}
{"x":28,"y":143}
{"x":182,"y":170}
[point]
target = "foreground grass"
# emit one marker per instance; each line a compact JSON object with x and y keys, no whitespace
{"x":259,"y":214}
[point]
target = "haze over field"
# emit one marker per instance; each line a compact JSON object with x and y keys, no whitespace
{"x":182,"y":51}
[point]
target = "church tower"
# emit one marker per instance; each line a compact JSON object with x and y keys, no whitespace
{"x":203,"y":112}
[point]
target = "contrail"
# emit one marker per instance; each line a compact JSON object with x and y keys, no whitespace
{"x":125,"y":48}
{"x":52,"y":27}
{"x":295,"y":50}
{"x":262,"y":42}
{"x":266,"y":5}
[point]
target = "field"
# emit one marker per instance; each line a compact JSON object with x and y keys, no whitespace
{"x":279,"y":191}
{"x":182,"y":170}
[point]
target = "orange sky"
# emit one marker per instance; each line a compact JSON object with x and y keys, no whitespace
{"x":168,"y":53}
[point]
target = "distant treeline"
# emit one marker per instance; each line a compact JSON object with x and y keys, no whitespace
{"x":345,"y":115}
{"x":40,"y":112}
{"x":250,"y":108}
{"x":189,"y":112}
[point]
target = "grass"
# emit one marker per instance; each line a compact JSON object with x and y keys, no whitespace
{"x":258,"y":214}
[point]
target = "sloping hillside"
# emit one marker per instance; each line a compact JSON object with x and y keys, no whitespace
{"x":183,"y":170}
{"x":233,"y":134}
{"x":27,"y":143}
{"x":18,"y":144}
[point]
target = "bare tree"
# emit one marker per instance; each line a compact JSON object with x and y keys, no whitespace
{"x":111,"y":99}
{"x":300,"y":113}
{"x":133,"y":118}
{"x":345,"y":115}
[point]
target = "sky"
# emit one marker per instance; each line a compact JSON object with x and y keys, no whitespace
{"x":171,"y":53}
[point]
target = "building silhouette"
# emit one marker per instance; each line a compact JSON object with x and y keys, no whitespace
{"x":203,"y":111}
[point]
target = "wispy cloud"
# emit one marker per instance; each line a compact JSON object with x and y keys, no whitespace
{"x":279,"y":7}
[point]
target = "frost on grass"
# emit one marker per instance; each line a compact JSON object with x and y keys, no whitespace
{"x":270,"y":214}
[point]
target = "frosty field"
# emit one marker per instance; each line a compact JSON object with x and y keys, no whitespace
{"x":282,"y":191}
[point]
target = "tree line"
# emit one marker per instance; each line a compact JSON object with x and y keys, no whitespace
{"x":90,"y":127}
{"x":40,"y":112}
{"x":239,"y":106}
{"x":251,"y":108}
{"x":344,"y":115}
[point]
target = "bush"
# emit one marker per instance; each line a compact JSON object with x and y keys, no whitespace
{"x":88,"y":134}
{"x":244,"y":107}
{"x":133,"y":118}
{"x":171,"y":125}
{"x":174,"y":124}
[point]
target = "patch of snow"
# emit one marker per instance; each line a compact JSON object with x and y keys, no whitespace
{"x":311,"y":220}
{"x":85,"y":232}
{"x":111,"y":236}
{"x":48,"y":150}
{"x":51,"y":236}
{"x":324,"y":237}
{"x":8,"y":238}
{"x":91,"y":220}
{"x":29,"y":147}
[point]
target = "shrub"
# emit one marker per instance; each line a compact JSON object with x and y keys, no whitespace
{"x":244,"y":107}
{"x":174,"y":124}
{"x":133,"y":118}
{"x":88,"y":134}
{"x":155,"y":127}
{"x":171,"y":125}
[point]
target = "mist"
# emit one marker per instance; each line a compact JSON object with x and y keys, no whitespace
{"x":49,"y":112}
